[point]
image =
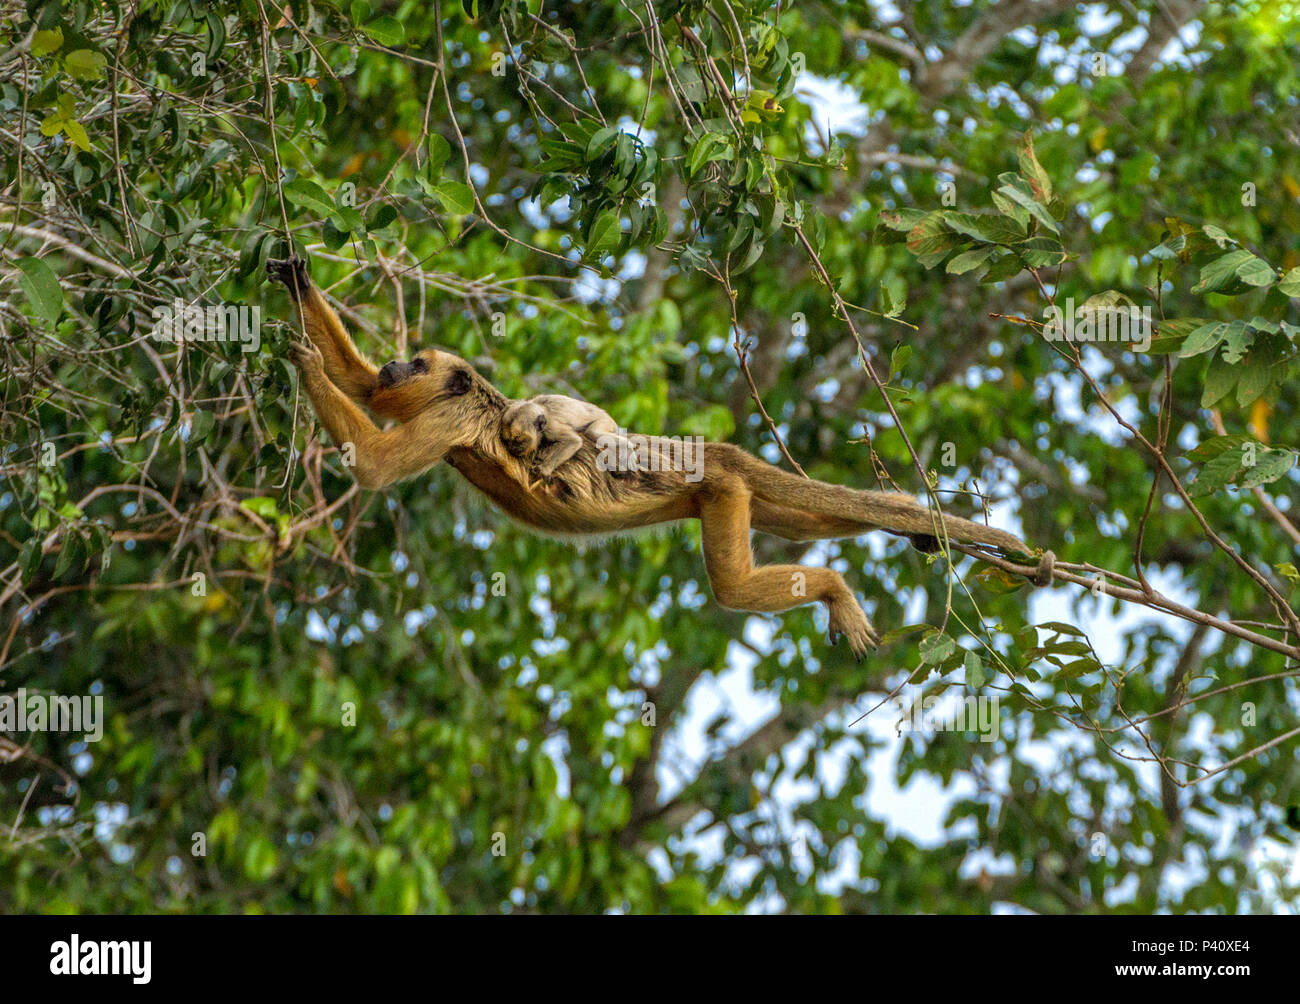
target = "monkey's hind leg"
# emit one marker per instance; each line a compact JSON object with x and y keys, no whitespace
{"x":738,"y":585}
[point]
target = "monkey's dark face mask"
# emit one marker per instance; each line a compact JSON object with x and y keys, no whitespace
{"x":391,"y":374}
{"x":404,"y":389}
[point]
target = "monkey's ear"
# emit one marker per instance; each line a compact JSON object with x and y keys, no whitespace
{"x":459,"y":382}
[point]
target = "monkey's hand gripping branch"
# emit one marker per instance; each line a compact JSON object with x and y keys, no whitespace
{"x":338,"y":379}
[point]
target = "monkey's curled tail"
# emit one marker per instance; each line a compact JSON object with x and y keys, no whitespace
{"x":882,"y":510}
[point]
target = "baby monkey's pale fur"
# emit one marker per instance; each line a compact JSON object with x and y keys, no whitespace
{"x":447,"y":411}
{"x":547,"y":430}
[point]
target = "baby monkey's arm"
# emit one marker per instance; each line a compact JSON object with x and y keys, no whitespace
{"x":566,"y":419}
{"x":563,"y":445}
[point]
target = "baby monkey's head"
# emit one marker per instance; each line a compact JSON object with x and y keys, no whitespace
{"x":522,"y":428}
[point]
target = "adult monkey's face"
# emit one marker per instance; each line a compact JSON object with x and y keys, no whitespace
{"x":397,"y":371}
{"x":404,"y":389}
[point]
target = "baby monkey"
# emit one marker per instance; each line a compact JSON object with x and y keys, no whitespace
{"x":549,"y":429}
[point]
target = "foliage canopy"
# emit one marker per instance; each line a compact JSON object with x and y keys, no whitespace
{"x":640,"y":203}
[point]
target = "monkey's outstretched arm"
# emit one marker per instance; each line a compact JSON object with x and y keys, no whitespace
{"x":376,"y":457}
{"x":346,"y":368}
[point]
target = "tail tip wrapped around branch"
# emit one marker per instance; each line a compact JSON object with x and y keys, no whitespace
{"x":1046,"y":565}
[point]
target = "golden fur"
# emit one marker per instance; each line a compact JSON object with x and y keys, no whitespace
{"x":447,"y":411}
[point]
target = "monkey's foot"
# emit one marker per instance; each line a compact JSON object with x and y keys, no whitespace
{"x":848,"y":620}
{"x":291,"y":271}
{"x":544,"y":486}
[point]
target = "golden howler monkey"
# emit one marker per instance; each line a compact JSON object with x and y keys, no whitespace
{"x":447,"y":411}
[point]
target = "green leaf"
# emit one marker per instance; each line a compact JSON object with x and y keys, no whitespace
{"x":1239,"y":265}
{"x":1216,"y":446}
{"x":250,"y":255}
{"x":201,"y":424}
{"x":898,"y":359}
{"x":71,"y":554}
{"x":77,"y":134}
{"x":893,"y":296}
{"x":692,"y":258}
{"x":1290,"y":283}
{"x":1003,"y":268}
{"x":260,"y":859}
{"x":935,"y":648}
{"x":1170,"y":335}
{"x":1216,"y":473}
{"x":84,"y":64}
{"x":348,"y":219}
{"x":1077,"y":668}
{"x":714,"y":422}
{"x":967,"y":260}
{"x":1237,"y":338}
{"x":456,"y":197}
{"x":1068,"y":648}
{"x":1041,"y":252}
{"x":930,"y":241}
{"x":987,"y":228}
{"x":263,"y":506}
{"x":1008,"y":207}
{"x":604,"y":236}
{"x":29,"y":558}
{"x":439,"y":151}
{"x":1256,"y":272}
{"x":1220,"y":378}
{"x":601,"y":140}
{"x":385,"y":30}
{"x":1270,"y":464}
{"x":1203,"y":339}
{"x":889,"y":637}
{"x":1033,"y":171}
{"x":310,"y":195}
{"x":1036,"y":210}
{"x":381,"y":214}
{"x":41,"y":287}
{"x":974,"y":667}
{"x":1256,"y":376}
{"x":214,"y":154}
{"x":1062,"y":628}
{"x":1218,"y":235}
{"x":334,"y":235}
{"x":750,"y":259}
{"x":744,"y":230}
{"x":902,"y":220}
{"x":708,"y":148}
{"x":45,"y":42}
